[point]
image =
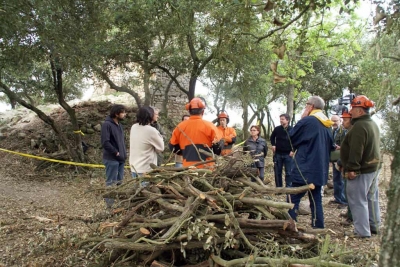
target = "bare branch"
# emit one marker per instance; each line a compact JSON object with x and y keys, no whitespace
{"x":120,"y":88}
{"x":284,"y":26}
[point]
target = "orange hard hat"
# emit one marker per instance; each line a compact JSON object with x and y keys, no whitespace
{"x":196,"y":102}
{"x":346,"y":115}
{"x":223,"y":114}
{"x":362,"y":101}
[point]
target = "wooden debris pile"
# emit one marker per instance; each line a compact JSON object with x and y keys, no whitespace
{"x":198,"y":217}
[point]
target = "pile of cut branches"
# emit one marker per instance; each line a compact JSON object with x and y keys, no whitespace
{"x":201,"y":217}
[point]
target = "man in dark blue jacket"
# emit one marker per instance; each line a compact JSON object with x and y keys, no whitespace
{"x":312,"y":140}
{"x":114,"y":149}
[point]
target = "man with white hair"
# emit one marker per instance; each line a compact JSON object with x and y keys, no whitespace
{"x":312,"y":142}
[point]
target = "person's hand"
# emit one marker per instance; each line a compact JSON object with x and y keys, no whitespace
{"x":337,"y":147}
{"x":273,"y":148}
{"x":117,"y":154}
{"x":291,"y":154}
{"x":307,"y":111}
{"x":351,"y":175}
{"x":337,"y":167}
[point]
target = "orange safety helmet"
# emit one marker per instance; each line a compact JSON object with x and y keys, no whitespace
{"x":345,"y":114}
{"x":196,"y":102}
{"x":225,"y":115}
{"x":362,"y":101}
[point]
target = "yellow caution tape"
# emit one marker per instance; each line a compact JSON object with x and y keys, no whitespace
{"x":56,"y":160}
{"x":79,"y":132}
{"x":239,"y":144}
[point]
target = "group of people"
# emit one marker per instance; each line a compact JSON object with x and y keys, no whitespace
{"x":303,"y":150}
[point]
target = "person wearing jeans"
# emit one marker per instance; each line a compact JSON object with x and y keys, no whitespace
{"x":282,"y":150}
{"x":315,"y":197}
{"x":114,"y":149}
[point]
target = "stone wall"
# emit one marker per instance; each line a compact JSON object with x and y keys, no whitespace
{"x":165,"y":96}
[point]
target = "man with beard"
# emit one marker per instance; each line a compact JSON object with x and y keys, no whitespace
{"x":114,"y":149}
{"x":282,"y":150}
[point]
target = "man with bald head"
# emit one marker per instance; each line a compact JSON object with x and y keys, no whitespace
{"x":338,"y":132}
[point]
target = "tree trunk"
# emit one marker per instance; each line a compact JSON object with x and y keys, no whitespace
{"x":146,"y":78}
{"x":245,"y":117}
{"x":298,"y":53}
{"x":164,"y":109}
{"x":192,"y":86}
{"x":266,"y":133}
{"x":290,"y":101}
{"x":391,"y":238}
{"x":57,"y":72}
{"x":124,"y":89}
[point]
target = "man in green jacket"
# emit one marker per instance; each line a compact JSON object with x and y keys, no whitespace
{"x":360,"y":157}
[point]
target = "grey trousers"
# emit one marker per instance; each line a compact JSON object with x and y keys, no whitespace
{"x":363,"y":199}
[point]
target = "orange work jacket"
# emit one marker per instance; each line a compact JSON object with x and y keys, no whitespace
{"x":191,"y":134}
{"x":229,"y":136}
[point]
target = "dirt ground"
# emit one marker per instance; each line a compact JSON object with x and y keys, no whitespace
{"x":45,"y":214}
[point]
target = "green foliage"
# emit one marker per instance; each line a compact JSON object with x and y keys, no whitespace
{"x":34,"y":35}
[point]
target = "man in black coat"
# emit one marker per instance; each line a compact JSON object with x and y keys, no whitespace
{"x":282,"y":150}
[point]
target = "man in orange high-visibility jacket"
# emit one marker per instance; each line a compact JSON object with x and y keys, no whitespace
{"x":228,"y":133}
{"x":194,"y":134}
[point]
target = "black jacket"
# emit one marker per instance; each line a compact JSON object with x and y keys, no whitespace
{"x":280,"y":139}
{"x":112,"y":140}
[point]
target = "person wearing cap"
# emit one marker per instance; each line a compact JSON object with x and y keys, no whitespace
{"x":194,"y":134}
{"x":346,"y":120}
{"x":338,"y":132}
{"x":282,"y":150}
{"x":360,"y":157}
{"x":312,"y":140}
{"x":228,"y":133}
